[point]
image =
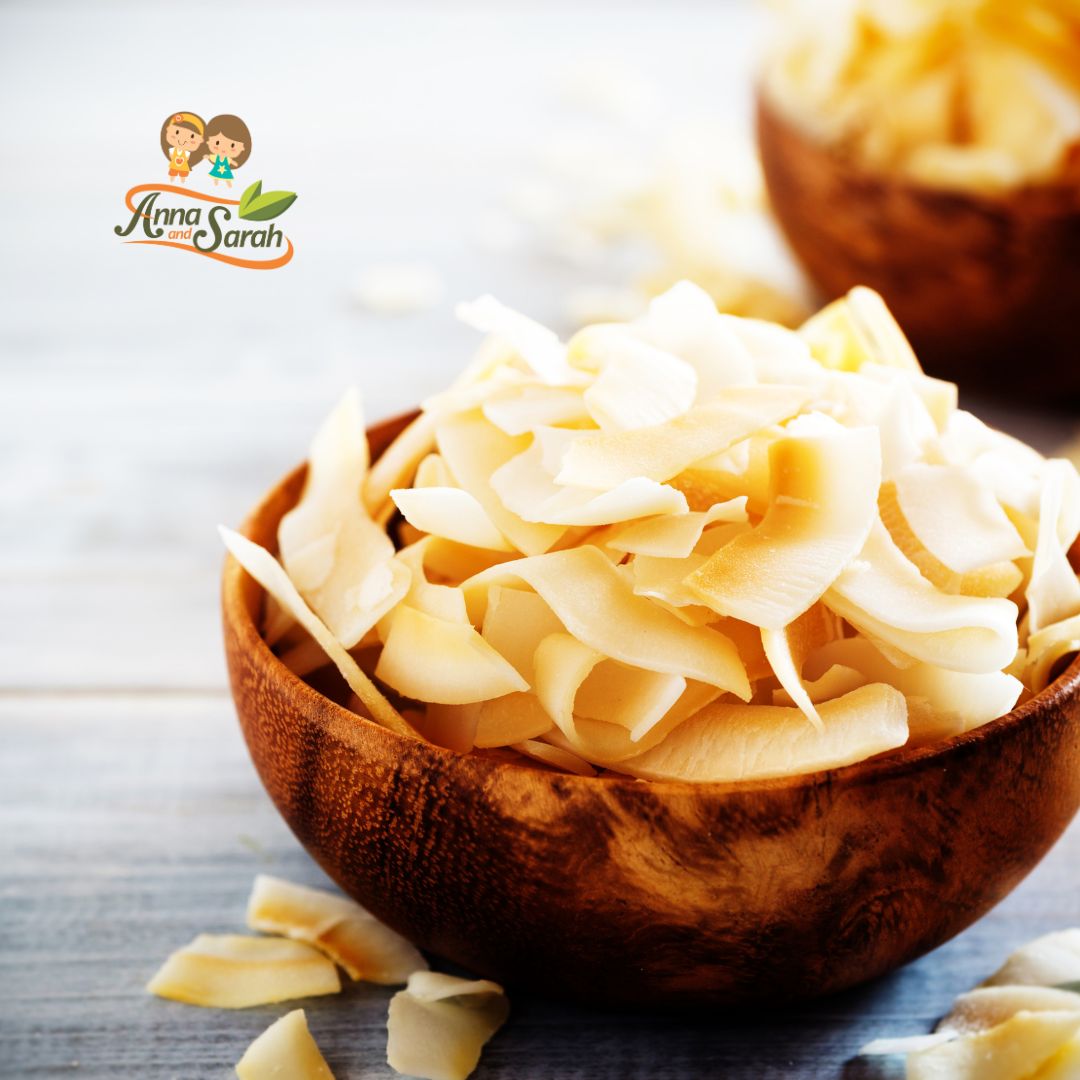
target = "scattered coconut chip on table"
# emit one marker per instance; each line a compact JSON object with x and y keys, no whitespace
{"x":284,"y":1051}
{"x":1047,"y":961}
{"x":233,"y":971}
{"x":987,"y":1006}
{"x":438,"y":1025}
{"x":1011,"y":1050}
{"x":339,"y":927}
{"x":1022,"y":1024}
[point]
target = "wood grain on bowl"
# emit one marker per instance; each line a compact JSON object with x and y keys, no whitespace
{"x":986,"y":287}
{"x":616,"y":891}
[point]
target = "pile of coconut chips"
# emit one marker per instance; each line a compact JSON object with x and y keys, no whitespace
{"x":971,"y":94}
{"x":692,"y":546}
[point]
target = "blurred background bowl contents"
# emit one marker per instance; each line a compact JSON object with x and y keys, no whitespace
{"x":932,"y":151}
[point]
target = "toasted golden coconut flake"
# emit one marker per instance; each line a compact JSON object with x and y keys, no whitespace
{"x":511,"y":719}
{"x":346,"y":932}
{"x":822,"y":506}
{"x":520,"y":412}
{"x":398,"y":461}
{"x":474,"y":450}
{"x":232,"y":971}
{"x":754,"y":742}
{"x":1053,"y":592}
{"x":684,"y":322}
{"x":450,"y":513}
{"x":340,"y":561}
{"x":535,"y":344}
{"x":941,"y":703}
{"x":284,"y":1049}
{"x":885,"y":597}
{"x":458,"y":666}
{"x":987,"y":1006}
{"x":675,"y":536}
{"x":440,"y":601}
{"x":528,"y":490}
{"x":450,"y":726}
{"x":1013,"y":1050}
{"x":432,"y":472}
{"x":515,"y":622}
{"x":596,"y":604}
{"x":557,"y":757}
{"x":956,"y":518}
{"x":636,"y":385}
{"x":995,"y":579}
{"x":834,"y":682}
{"x":270,"y":574}
{"x":787,"y":650}
{"x":438,"y":1025}
{"x":659,"y":452}
{"x":605,"y":710}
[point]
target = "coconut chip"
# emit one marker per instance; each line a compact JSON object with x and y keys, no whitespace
{"x":284,"y":1049}
{"x":1023,"y":1024}
{"x":232,"y":971}
{"x":350,"y":935}
{"x":438,"y":1025}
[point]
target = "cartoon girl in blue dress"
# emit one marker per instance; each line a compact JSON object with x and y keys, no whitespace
{"x":228,"y":146}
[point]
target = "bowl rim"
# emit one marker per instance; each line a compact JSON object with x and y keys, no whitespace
{"x":239,"y":619}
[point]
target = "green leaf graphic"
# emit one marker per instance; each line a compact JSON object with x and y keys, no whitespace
{"x":249,"y":194}
{"x":263,"y":207}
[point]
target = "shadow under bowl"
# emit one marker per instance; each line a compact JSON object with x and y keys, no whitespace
{"x":614,"y":891}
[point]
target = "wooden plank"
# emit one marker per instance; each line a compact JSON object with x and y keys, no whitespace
{"x":131,"y":822}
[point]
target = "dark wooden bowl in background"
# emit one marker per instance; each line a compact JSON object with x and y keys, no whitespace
{"x":987,"y":288}
{"x":615,"y":891}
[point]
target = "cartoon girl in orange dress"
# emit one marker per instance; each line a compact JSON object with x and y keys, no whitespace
{"x":182,"y":142}
{"x":228,"y":139}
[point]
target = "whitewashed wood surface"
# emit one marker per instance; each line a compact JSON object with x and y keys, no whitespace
{"x":146,"y":395}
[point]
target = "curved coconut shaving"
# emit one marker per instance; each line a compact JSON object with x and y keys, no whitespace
{"x":882,"y":594}
{"x":460,"y":666}
{"x":451,"y":513}
{"x":674,"y":536}
{"x":956,"y":518}
{"x":822,"y":505}
{"x":340,"y":561}
{"x":754,"y":742}
{"x":596,"y":603}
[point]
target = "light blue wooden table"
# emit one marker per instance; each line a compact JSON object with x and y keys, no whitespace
{"x":146,"y":395}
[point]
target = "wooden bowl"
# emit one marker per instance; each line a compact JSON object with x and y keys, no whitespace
{"x":986,"y":287}
{"x":616,"y":891}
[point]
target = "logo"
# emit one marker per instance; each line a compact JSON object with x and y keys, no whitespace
{"x":173,"y":213}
